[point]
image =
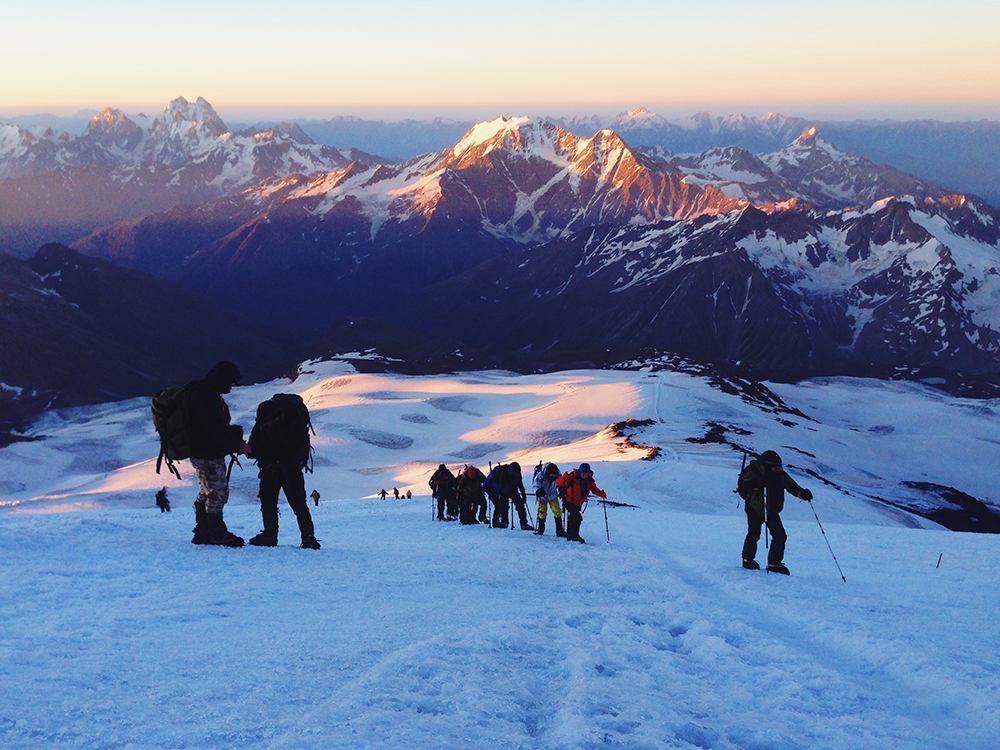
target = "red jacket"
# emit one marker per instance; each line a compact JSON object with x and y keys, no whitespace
{"x":576,"y":494}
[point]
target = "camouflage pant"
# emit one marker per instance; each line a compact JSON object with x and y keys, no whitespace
{"x":213,"y":484}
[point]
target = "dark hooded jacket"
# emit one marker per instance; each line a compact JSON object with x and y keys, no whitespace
{"x":470,"y":484}
{"x":756,"y":483}
{"x":212,"y":436}
{"x":443,"y":482}
{"x":505,"y":482}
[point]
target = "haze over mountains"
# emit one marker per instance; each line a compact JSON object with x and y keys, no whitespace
{"x":526,"y":237}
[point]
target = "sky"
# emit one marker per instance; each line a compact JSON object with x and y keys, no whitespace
{"x":397,"y":58}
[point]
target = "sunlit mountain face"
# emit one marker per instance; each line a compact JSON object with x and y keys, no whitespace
{"x":533,"y":245}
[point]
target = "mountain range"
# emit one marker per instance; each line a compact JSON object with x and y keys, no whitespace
{"x":958,"y":155}
{"x":509,"y":239}
{"x":354,"y":240}
{"x":59,"y":187}
{"x":526,"y":242}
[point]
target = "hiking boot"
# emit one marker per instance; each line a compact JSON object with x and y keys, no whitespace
{"x":576,"y":538}
{"x":526,"y":526}
{"x":751,"y":565}
{"x":540,"y":529}
{"x":778,"y":568}
{"x":200,"y":530}
{"x":560,"y":531}
{"x":263,"y":539}
{"x":309,"y":542}
{"x":219,"y":534}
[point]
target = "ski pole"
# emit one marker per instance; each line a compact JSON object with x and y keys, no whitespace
{"x":763,"y":496}
{"x":828,"y":545}
{"x":766,"y":529}
{"x":607,"y":531}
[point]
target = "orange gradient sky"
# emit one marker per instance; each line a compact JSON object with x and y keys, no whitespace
{"x":878,"y":58}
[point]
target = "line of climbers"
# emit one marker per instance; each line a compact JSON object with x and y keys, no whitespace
{"x":464,"y":497}
{"x":193,"y":422}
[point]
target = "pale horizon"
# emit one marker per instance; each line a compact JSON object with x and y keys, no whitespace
{"x":392,"y":60}
{"x":833,"y":112}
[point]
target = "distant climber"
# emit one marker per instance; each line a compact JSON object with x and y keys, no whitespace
{"x":471,"y":498}
{"x":162,"y":502}
{"x":504,"y":485}
{"x":577,"y":484}
{"x":444,"y":489}
{"x":547,"y":494}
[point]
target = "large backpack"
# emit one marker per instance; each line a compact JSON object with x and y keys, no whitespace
{"x":288,"y":434}
{"x":171,"y":418}
{"x":493,"y":484}
{"x":743,"y":489}
{"x":536,"y":475}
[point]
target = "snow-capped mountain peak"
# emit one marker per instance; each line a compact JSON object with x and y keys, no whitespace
{"x":181,"y":110}
{"x":115,"y":134}
{"x":808,"y":146}
{"x":639,"y":113}
{"x":639,"y":118}
{"x":514,"y":133}
{"x":184,"y":130}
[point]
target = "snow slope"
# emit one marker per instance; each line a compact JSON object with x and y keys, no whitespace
{"x":404,"y":632}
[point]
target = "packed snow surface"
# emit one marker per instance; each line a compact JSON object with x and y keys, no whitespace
{"x":404,"y":632}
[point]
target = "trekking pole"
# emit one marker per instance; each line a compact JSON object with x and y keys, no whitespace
{"x":607,"y":531}
{"x":828,"y":545}
{"x":764,"y":498}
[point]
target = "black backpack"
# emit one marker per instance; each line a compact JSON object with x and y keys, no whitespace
{"x":171,"y":418}
{"x":281,"y":432}
{"x":744,"y":489}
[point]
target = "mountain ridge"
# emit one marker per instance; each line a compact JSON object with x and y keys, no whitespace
{"x":78,"y":330}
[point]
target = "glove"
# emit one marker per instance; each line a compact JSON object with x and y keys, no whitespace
{"x":806,"y":495}
{"x":539,"y":493}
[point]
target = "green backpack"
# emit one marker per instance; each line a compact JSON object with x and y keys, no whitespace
{"x":171,"y":418}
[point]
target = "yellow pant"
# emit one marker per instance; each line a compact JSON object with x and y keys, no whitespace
{"x":556,"y":507}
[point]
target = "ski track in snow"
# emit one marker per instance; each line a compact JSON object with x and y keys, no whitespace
{"x":402,"y":632}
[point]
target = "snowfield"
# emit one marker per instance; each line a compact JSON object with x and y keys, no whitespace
{"x":404,"y":632}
